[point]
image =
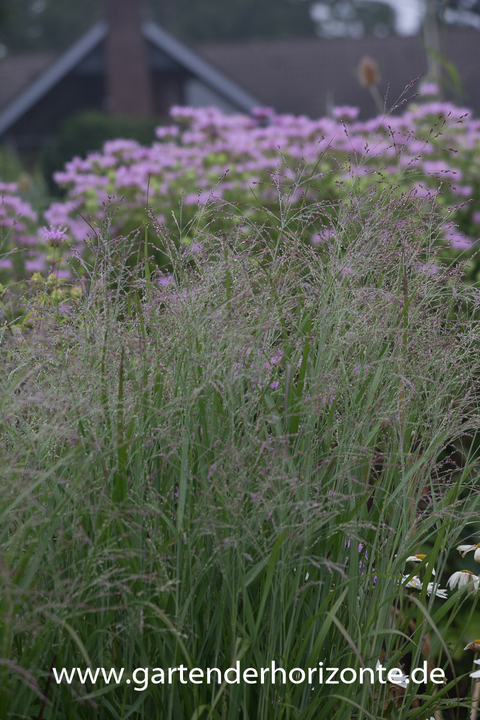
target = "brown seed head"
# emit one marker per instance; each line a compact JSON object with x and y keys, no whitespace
{"x":368,"y":73}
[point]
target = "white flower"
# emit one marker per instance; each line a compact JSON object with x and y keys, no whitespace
{"x":432,"y":588}
{"x":418,"y":559}
{"x":413,"y":582}
{"x":464,"y":549}
{"x":307,"y":575}
{"x":401,"y":680}
{"x":415,"y":558}
{"x":476,"y":673}
{"x":439,"y":592}
{"x":474,"y":645}
{"x":464,"y":578}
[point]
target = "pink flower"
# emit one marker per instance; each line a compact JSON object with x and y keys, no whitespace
{"x":54,"y":236}
{"x":429,"y":89}
{"x":345,"y":113}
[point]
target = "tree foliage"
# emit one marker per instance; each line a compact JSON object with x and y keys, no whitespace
{"x":209,"y":20}
{"x":37,"y":25}
{"x":353,"y":18}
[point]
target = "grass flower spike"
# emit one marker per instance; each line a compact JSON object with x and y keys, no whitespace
{"x":221,"y":458}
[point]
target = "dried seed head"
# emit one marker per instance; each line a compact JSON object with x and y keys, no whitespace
{"x":368,"y":73}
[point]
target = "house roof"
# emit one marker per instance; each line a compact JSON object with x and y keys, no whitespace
{"x":18,"y":71}
{"x":300,"y":76}
{"x":50,"y":71}
{"x":306,"y":76}
{"x":52,"y":75}
{"x":202,"y":68}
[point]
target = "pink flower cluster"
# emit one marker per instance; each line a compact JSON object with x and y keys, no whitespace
{"x":18,"y":232}
{"x":206,"y":157}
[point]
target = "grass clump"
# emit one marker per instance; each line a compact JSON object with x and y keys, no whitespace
{"x":232,"y":463}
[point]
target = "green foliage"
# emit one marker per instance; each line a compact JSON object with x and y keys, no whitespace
{"x":11,"y":168}
{"x":88,"y":131}
{"x":233,"y":466}
{"x":353,"y":17}
{"x":206,"y":20}
{"x":36,"y":25}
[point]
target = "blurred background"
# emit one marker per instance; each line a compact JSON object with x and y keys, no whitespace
{"x":75,"y":74}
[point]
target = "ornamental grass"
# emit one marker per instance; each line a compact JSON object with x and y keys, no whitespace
{"x":259,"y":455}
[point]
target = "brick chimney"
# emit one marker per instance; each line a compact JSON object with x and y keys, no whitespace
{"x":128,"y":81}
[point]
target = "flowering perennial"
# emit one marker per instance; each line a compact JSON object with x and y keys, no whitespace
{"x":18,"y":239}
{"x":206,"y":158}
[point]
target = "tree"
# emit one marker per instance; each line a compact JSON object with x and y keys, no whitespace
{"x":36,"y":25}
{"x":200,"y":21}
{"x":352,"y":18}
{"x":207,"y":20}
{"x":33,"y":25}
{"x":437,"y":13}
{"x":460,"y":12}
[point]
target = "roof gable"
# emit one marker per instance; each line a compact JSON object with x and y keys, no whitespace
{"x":61,"y":67}
{"x":310,"y":75}
{"x":200,"y":67}
{"x":163,"y":41}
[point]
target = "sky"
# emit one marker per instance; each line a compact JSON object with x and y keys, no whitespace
{"x":409,"y":15}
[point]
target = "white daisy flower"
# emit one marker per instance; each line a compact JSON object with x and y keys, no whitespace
{"x":415,"y":558}
{"x":464,"y":549}
{"x":413,"y":582}
{"x":439,"y":592}
{"x":401,"y":680}
{"x":474,"y":646}
{"x":418,"y":558}
{"x":464,"y":578}
{"x":432,"y":588}
{"x":476,"y":673}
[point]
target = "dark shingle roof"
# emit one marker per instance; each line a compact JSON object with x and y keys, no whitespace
{"x":24,"y":98}
{"x":18,"y":71}
{"x":304,"y":76}
{"x":299,"y":76}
